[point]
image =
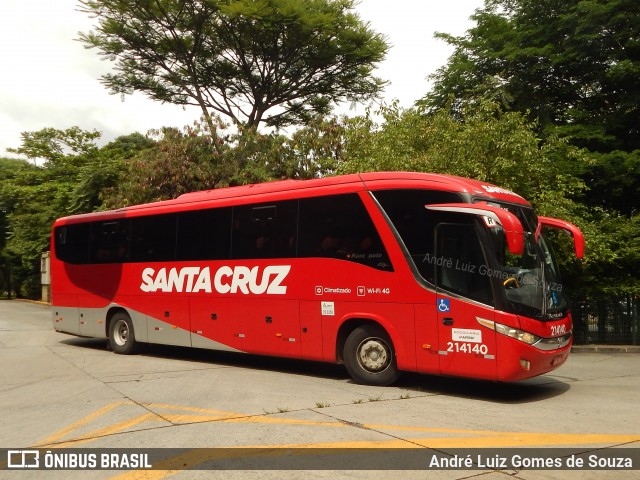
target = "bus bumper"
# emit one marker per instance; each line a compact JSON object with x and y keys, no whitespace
{"x":519,"y":361}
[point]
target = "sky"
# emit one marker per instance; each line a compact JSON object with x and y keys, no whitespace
{"x":48,"y":78}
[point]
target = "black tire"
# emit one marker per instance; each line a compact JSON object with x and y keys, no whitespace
{"x":121,"y":336}
{"x":369,"y":356}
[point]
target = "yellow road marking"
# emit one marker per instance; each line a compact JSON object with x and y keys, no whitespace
{"x":248,"y":419}
{"x":191,"y":409}
{"x":110,"y":430}
{"x":79,"y":423}
{"x":54,"y":440}
{"x":449,"y":437}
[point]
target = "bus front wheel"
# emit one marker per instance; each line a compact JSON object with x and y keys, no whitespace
{"x":121,"y":337}
{"x":369,"y":357}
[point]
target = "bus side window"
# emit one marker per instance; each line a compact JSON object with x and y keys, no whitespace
{"x":153,"y":238}
{"x":461,"y":266}
{"x":414,"y":224}
{"x":339,"y":226}
{"x":265,"y":230}
{"x":110,"y":241}
{"x":204,"y":234}
{"x":72,"y":243}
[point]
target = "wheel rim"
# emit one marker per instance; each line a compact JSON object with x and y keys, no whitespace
{"x":121,"y":332}
{"x":374,"y":355}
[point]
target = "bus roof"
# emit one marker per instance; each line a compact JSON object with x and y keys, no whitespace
{"x":290,"y":189}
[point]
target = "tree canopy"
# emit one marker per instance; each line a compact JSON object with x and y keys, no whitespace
{"x":485,"y":143}
{"x":571,"y":64}
{"x":277,"y":62}
{"x":72,"y":175}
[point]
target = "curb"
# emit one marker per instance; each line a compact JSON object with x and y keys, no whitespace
{"x":26,"y":300}
{"x":605,"y":349}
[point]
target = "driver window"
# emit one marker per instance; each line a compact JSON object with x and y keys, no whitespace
{"x":461,"y":266}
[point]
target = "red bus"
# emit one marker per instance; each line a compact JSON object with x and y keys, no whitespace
{"x":384,"y":272}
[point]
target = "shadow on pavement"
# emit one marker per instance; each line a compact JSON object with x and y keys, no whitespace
{"x":527,"y":391}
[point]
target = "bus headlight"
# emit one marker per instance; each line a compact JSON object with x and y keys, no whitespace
{"x":526,"y":337}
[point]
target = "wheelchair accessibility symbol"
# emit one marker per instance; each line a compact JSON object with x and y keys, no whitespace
{"x":444,"y":305}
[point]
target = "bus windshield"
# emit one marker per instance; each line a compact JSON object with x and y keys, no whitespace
{"x":527,"y":284}
{"x":531,"y":282}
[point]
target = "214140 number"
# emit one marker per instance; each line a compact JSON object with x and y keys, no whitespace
{"x":464,"y":347}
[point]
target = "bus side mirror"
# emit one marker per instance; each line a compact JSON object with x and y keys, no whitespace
{"x":492,"y":217}
{"x":578,"y":237}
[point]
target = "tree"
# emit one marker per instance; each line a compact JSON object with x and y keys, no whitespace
{"x":105,"y":171}
{"x":276,"y":62}
{"x":53,"y":145}
{"x":194,"y":158}
{"x":34,"y":195}
{"x":485,"y":143}
{"x":178,"y":162}
{"x":70,"y":176}
{"x":10,"y":169}
{"x":572,"y":65}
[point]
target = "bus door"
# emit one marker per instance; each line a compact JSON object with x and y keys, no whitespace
{"x":463,"y":296}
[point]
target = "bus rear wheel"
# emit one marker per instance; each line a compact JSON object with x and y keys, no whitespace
{"x":121,"y":337}
{"x":369,"y":357}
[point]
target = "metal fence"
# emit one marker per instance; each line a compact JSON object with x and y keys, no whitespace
{"x":607,"y":321}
